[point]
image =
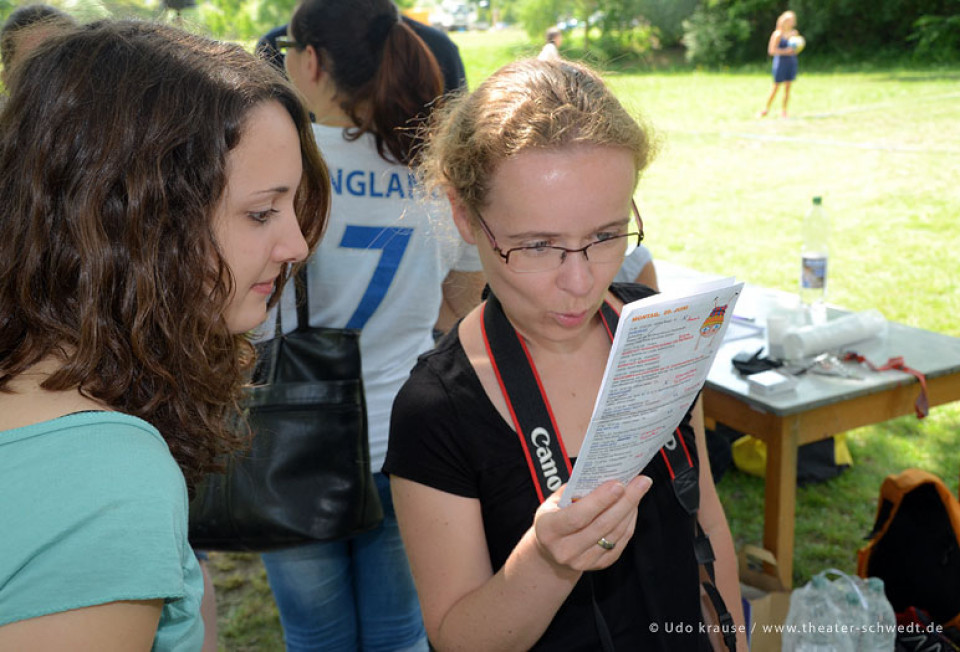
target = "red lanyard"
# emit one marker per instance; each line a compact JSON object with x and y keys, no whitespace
{"x":922,"y":405}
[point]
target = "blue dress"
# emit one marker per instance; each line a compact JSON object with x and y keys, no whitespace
{"x":784,"y":65}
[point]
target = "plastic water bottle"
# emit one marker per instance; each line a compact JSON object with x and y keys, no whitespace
{"x":814,"y":255}
{"x":853,"y":615}
{"x":880,"y":631}
{"x":846,"y":595}
{"x":814,"y":621}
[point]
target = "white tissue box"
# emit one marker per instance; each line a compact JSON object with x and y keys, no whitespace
{"x":768,"y":383}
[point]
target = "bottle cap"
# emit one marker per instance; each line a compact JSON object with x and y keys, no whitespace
{"x":817,"y":201}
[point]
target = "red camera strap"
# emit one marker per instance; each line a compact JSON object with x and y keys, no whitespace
{"x":526,"y":399}
{"x":922,"y":405}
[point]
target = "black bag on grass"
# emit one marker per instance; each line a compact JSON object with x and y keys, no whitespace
{"x":915,"y":546}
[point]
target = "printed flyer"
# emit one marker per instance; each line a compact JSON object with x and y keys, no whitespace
{"x":659,"y":360}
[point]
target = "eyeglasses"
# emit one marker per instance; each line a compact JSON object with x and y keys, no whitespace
{"x":544,"y":258}
{"x":284,"y":43}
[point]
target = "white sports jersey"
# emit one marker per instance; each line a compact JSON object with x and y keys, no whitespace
{"x":379,"y":268}
{"x":633,"y":264}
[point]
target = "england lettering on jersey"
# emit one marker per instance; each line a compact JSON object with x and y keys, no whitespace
{"x":367,"y":183}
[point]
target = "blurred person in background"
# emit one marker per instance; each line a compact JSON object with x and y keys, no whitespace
{"x":784,"y":60}
{"x":388,"y":262}
{"x":26,"y":28}
{"x":443,"y":48}
{"x":551,"y":49}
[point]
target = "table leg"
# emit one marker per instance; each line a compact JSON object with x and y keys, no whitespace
{"x":781,"y":496}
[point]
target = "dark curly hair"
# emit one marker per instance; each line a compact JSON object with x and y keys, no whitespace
{"x":113,"y":153}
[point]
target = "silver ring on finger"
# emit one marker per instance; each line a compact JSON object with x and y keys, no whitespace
{"x":606,"y":545}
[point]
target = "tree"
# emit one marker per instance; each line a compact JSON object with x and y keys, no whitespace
{"x":273,"y":14}
{"x":537,"y":15}
{"x":736,"y":31}
{"x":667,"y":17}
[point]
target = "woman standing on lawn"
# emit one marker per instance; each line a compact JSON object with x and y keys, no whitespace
{"x":157,"y":187}
{"x":388,"y":261}
{"x":541,"y":163}
{"x":784,"y":60}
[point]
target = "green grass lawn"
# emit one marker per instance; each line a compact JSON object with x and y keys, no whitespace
{"x":727,"y":195}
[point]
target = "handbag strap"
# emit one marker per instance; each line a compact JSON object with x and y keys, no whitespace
{"x":302,"y":299}
{"x":268,"y":351}
{"x":302,"y":294}
{"x":683,"y":476}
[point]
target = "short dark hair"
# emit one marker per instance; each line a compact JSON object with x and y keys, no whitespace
{"x":113,"y":161}
{"x":24,"y":17}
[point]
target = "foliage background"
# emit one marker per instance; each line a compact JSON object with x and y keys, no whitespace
{"x":711,"y":33}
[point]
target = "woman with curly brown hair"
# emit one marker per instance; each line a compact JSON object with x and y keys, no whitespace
{"x":157,"y":187}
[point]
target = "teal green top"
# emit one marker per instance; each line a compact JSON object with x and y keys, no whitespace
{"x":93,"y":509}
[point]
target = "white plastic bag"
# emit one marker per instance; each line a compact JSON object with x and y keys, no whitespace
{"x":845,"y":614}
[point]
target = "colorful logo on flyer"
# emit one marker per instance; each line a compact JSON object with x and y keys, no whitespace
{"x":711,"y":325}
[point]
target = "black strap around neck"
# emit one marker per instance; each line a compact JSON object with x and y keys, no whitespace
{"x":526,"y":399}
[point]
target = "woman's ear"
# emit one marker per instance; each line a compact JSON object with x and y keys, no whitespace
{"x":311,"y":63}
{"x":461,"y":217}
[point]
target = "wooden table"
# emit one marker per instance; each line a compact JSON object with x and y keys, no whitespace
{"x":821,"y":406}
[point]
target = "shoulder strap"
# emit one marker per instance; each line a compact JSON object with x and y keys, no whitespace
{"x":526,"y":401}
{"x":686,"y":487}
{"x":302,"y":300}
{"x":302,"y":293}
{"x":268,"y":351}
{"x":683,"y":474}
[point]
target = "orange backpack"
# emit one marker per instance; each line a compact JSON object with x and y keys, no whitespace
{"x":915,"y":546}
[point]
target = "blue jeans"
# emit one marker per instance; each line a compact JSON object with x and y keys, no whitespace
{"x":349,"y":595}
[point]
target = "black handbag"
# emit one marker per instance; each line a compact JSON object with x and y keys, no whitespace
{"x":307,"y":474}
